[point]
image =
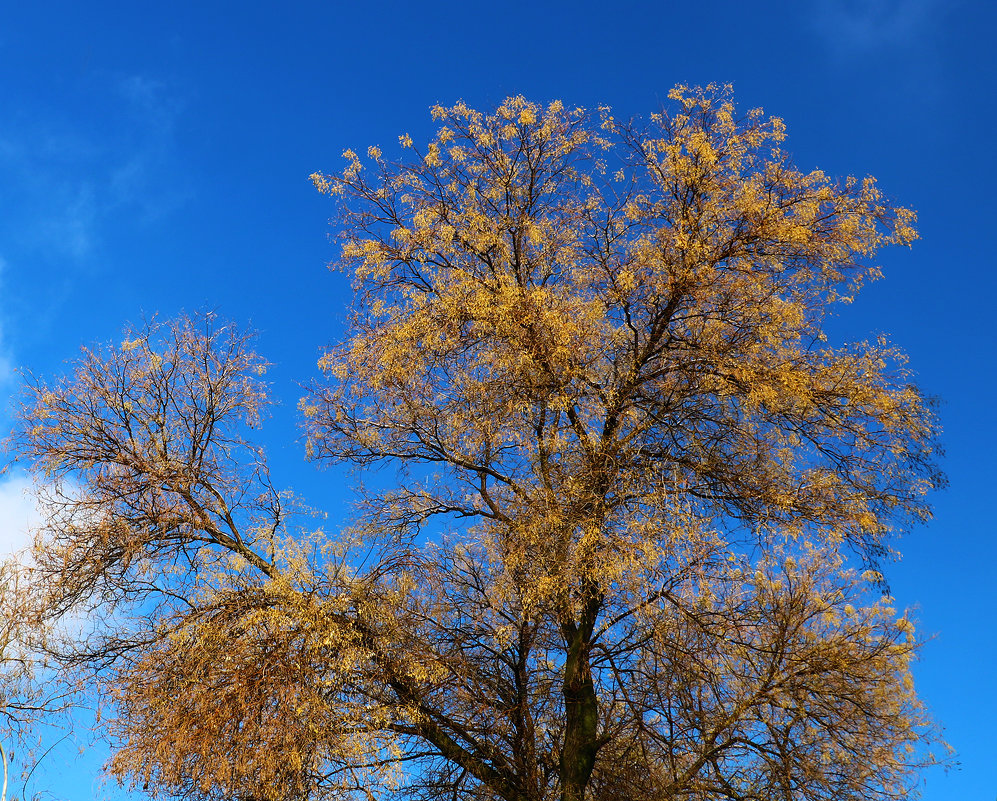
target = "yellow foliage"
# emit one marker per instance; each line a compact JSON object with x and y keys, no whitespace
{"x":597,"y":351}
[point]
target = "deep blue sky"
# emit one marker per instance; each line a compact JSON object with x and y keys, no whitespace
{"x":156,"y":158}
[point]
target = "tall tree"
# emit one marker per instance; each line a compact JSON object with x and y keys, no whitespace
{"x":612,"y":565}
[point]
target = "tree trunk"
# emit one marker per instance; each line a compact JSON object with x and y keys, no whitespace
{"x":581,"y":708}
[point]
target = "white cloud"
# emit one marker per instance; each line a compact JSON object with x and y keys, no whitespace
{"x":18,"y":513}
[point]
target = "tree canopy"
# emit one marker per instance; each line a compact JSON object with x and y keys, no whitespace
{"x":615,"y":563}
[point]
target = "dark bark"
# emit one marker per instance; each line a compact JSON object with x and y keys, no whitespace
{"x":581,"y":705}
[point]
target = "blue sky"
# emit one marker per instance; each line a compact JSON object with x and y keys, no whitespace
{"x":156,"y":158}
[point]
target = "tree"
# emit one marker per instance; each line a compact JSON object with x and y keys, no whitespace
{"x":26,"y":697}
{"x":614,"y":563}
{"x":17,"y":694}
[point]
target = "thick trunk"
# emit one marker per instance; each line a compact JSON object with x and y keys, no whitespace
{"x":581,"y":708}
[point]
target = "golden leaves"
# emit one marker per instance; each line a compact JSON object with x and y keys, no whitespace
{"x":607,"y":339}
{"x":745,"y":248}
{"x":595,"y":349}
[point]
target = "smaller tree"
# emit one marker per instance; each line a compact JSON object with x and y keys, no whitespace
{"x":160,"y":522}
{"x":28,"y":695}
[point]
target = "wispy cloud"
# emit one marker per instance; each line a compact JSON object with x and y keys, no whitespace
{"x":66,"y":179}
{"x":153,"y":111}
{"x":6,"y":361}
{"x":78,"y":178}
{"x":858,"y":26}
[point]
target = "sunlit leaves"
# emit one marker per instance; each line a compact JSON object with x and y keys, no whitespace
{"x":611,"y":565}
